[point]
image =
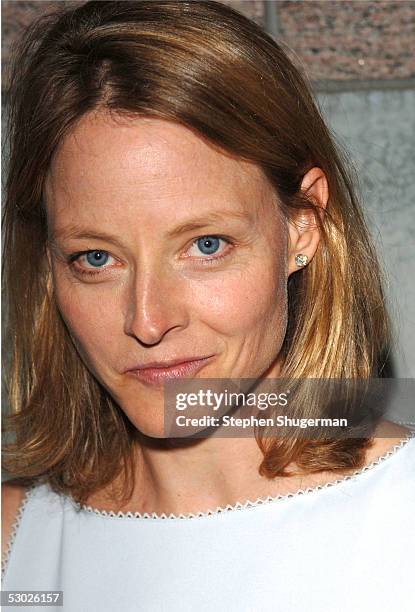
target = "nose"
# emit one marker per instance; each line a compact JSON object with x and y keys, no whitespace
{"x":155,"y":307}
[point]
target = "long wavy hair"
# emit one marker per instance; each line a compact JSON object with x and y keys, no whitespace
{"x":207,"y":67}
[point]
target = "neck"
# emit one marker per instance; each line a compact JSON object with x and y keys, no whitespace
{"x":181,"y":477}
{"x":175,"y":478}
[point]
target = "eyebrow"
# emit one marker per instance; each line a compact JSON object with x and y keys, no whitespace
{"x":75,"y":231}
{"x":201,"y":222}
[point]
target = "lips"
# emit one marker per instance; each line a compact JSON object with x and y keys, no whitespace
{"x":156,"y":373}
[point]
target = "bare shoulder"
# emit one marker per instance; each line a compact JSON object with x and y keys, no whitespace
{"x":387,"y":436}
{"x":12,"y":495}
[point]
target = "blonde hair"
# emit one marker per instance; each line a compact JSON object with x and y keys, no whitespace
{"x":205,"y":66}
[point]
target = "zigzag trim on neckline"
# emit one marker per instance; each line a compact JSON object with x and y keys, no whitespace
{"x":243,"y":505}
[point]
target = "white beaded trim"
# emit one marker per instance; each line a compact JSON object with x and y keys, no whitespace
{"x":245,"y":505}
{"x":14,"y":529}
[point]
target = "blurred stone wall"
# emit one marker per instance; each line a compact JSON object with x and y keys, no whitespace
{"x":335,"y":40}
{"x":344,"y":40}
{"x":377,"y":129}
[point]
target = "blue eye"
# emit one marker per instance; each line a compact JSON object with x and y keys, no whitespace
{"x":208,"y":245}
{"x":97,"y":258}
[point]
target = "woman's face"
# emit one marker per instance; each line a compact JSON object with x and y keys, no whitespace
{"x":164,"y":250}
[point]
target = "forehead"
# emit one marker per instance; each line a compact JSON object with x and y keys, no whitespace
{"x":122,"y":162}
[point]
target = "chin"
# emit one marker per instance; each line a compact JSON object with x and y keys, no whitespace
{"x":150,"y":422}
{"x":147,"y":417}
{"x":153,"y":431}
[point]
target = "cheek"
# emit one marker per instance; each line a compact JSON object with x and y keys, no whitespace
{"x":91,"y":318}
{"x":244,"y":301}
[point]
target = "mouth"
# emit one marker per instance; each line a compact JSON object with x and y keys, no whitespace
{"x":157,"y":373}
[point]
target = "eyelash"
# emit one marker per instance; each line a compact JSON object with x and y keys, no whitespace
{"x":74,"y":258}
{"x":203,"y":260}
{"x":208,"y":261}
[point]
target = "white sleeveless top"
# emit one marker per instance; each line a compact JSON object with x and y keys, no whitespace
{"x":347,"y":546}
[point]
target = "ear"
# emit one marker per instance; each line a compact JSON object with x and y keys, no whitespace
{"x":303,"y":231}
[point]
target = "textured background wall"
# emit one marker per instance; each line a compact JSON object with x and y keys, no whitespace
{"x":377,"y":128}
{"x":360,"y":58}
{"x":335,"y":40}
{"x":341,"y":40}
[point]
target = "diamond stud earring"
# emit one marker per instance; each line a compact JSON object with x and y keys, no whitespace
{"x":301,"y":260}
